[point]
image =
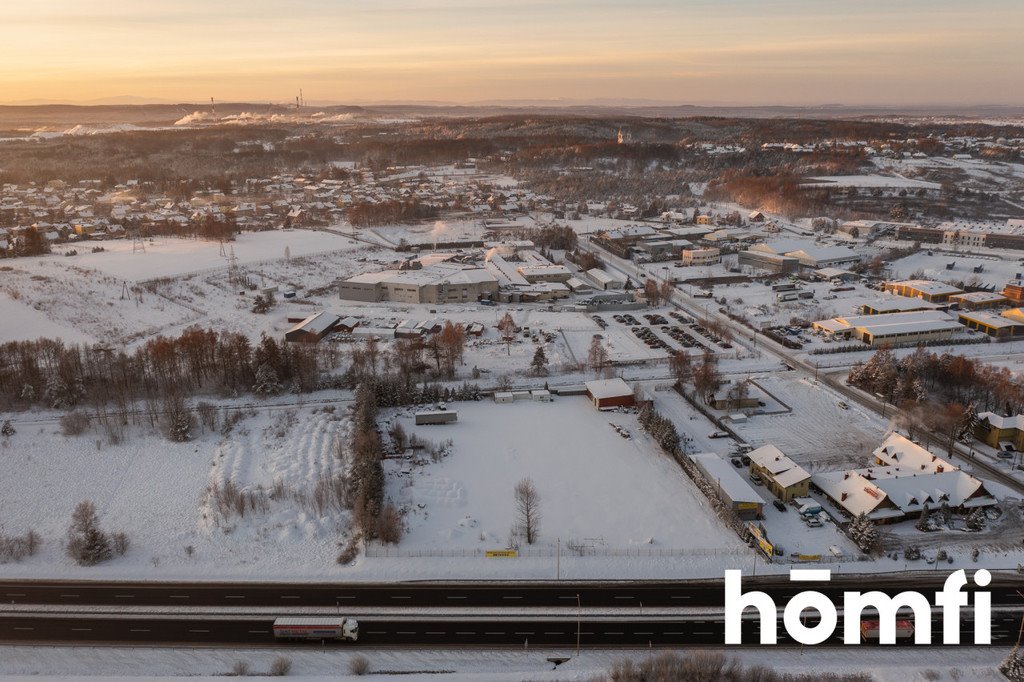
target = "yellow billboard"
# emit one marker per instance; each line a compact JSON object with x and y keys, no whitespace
{"x":502,"y":554}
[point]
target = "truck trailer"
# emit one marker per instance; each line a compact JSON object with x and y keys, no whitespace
{"x":337,"y":628}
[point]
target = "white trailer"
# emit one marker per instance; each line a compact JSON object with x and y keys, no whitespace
{"x":337,"y":628}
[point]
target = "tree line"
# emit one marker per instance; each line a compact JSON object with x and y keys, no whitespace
{"x":53,"y":374}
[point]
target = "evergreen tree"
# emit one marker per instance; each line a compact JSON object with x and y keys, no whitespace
{"x":922,"y":522}
{"x":87,"y":544}
{"x":267,"y":382}
{"x":539,"y":363}
{"x":7,"y":429}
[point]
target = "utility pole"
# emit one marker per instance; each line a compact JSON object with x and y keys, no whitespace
{"x":558,"y":559}
{"x":579,"y":618}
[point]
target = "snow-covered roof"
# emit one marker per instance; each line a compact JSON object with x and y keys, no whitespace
{"x":602,"y":276}
{"x":979,"y":297}
{"x":608,"y":388}
{"x":926,"y":286}
{"x":784,"y":470}
{"x":316,"y":324}
{"x":889,"y":492}
{"x":1000,"y":422}
{"x":898,"y":450}
{"x":722,"y":474}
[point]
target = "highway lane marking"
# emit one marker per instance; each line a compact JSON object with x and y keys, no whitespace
{"x":571,"y":596}
{"x":198,"y":630}
{"x":401,"y":596}
{"x":680,"y":596}
{"x":15,"y":594}
{"x":258,"y":632}
{"x":178,"y":596}
{"x":81,"y":629}
{"x":625,"y":597}
{"x":404,"y":632}
{"x":139,"y":630}
{"x":69,"y":595}
{"x":433,"y":633}
{"x":349,"y":597}
{"x":124,"y":596}
{"x":376,"y":632}
{"x":643,"y":633}
{"x":522,"y":633}
{"x":289,"y":596}
{"x":554,"y":633}
{"x":511,"y":597}
{"x":17,"y":628}
{"x":703,"y":633}
{"x":234,"y":596}
{"x":494,"y":633}
{"x":615,"y":633}
{"x":455,"y":597}
{"x":675,"y":633}
{"x":465,"y":633}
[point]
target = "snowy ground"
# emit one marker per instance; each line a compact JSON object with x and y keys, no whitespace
{"x":171,"y":257}
{"x":817,"y":434}
{"x":597,"y":489}
{"x":156,"y":491}
{"x":883,"y":665}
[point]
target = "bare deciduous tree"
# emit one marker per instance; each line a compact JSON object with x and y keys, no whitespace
{"x":527,"y":510}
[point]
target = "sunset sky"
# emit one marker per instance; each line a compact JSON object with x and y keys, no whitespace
{"x":686,"y":51}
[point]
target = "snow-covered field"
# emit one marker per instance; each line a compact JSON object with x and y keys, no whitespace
{"x":157,"y":492}
{"x":597,"y":489}
{"x":170,"y":257}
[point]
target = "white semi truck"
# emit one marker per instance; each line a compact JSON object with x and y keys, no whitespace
{"x":337,"y":628}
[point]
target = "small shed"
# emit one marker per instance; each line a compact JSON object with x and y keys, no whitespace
{"x":436,"y":417}
{"x":610,"y":393}
{"x":504,"y":397}
{"x":541,"y":395}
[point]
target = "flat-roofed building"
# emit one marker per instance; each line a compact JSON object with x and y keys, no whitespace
{"x":892,"y":328}
{"x":437,"y":283}
{"x":709,"y":256}
{"x":978,"y":300}
{"x":604,"y":280}
{"x":927,"y":290}
{"x":731,"y":486}
{"x":608,"y":393}
{"x":993,"y":324}
{"x":1014,"y":291}
{"x":896,"y":304}
{"x":771,"y":262}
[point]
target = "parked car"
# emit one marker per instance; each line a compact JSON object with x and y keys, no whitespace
{"x":842,"y":405}
{"x":737,"y":463}
{"x":718,"y":434}
{"x":813,"y":522}
{"x":745,"y":460}
{"x":779,"y":505}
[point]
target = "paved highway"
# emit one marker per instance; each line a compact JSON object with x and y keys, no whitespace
{"x":623,"y":595}
{"x":518,"y":633}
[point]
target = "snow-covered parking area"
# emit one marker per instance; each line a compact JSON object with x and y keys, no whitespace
{"x":596,"y":488}
{"x":819,"y":434}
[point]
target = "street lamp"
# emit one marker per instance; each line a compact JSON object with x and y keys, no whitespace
{"x":579,"y":617}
